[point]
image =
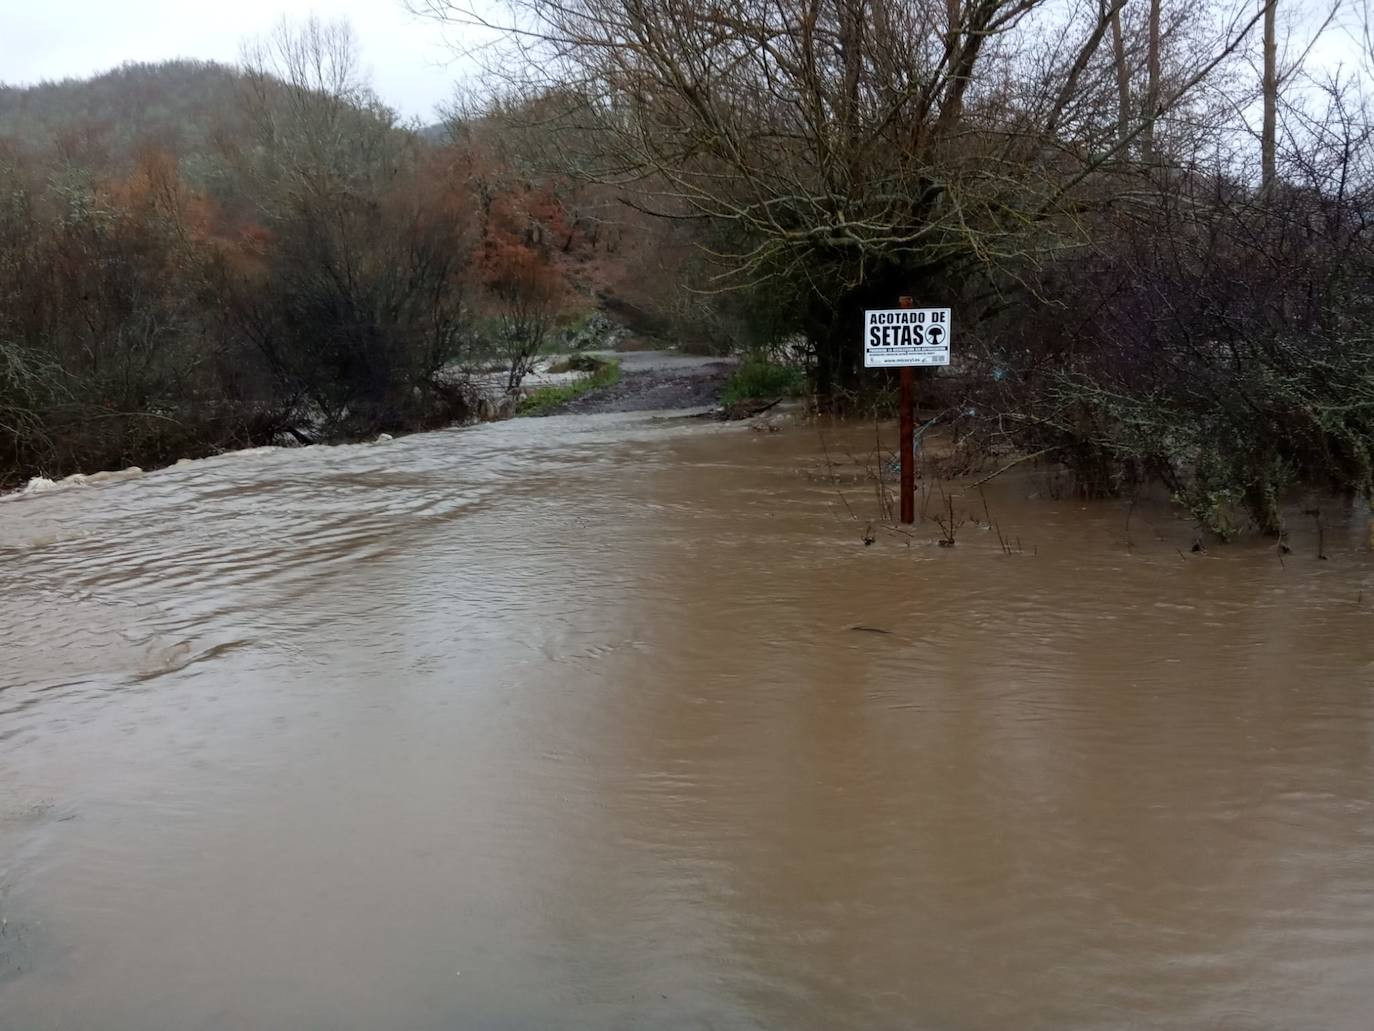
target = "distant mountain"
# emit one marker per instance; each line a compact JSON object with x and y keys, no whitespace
{"x":176,"y":105}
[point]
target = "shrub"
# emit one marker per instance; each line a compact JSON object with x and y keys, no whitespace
{"x":757,"y":376}
{"x":546,"y":399}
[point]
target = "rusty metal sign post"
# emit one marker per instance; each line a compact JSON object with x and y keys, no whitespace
{"x":907,"y":338}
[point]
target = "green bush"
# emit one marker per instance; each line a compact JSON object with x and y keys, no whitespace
{"x":545,"y":399}
{"x":759,"y":377}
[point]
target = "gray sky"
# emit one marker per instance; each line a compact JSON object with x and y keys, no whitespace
{"x":43,"y":39}
{"x":410,"y":66}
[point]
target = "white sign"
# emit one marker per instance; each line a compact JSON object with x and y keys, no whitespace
{"x":906,"y":336}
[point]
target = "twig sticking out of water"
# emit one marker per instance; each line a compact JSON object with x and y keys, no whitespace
{"x":1282,"y":548}
{"x":1316,"y":514}
{"x":948,"y":524}
{"x":880,"y":482}
{"x":1002,"y":541}
{"x":1010,"y":465}
{"x":825,"y":450}
{"x":897,"y":531}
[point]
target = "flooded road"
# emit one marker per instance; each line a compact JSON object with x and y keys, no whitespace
{"x":565,"y":723}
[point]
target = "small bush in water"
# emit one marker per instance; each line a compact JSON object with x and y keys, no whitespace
{"x":759,"y":377}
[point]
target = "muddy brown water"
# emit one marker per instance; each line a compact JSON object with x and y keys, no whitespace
{"x":562,"y":723}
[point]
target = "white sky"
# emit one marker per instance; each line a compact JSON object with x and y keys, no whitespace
{"x":54,"y":39}
{"x":411,"y":68}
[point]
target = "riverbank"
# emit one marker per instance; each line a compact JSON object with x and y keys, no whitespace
{"x":649,"y":381}
{"x":654,"y":381}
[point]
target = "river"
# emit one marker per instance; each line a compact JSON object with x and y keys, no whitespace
{"x":565,"y":723}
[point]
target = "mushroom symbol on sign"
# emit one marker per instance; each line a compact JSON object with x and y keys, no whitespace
{"x":935,"y":334}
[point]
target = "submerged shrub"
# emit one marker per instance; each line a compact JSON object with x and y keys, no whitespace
{"x":758,"y":376}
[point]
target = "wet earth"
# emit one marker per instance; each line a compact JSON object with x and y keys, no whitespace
{"x":654,"y":381}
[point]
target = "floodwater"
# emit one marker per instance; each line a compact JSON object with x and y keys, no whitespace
{"x":563,"y":723}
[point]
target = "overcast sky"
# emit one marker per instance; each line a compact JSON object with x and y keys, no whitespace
{"x":411,"y":67}
{"x":45,"y":39}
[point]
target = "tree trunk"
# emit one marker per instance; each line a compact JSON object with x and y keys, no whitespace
{"x":1106,"y":19}
{"x":1269,"y":132}
{"x":852,"y":54}
{"x":1123,"y":80}
{"x":955,"y":19}
{"x":852,"y":21}
{"x":965,"y":41}
{"x":1147,"y":136}
{"x":837,"y":332}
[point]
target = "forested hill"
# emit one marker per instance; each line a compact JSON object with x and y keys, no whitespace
{"x":171,"y":240}
{"x":175,"y":105}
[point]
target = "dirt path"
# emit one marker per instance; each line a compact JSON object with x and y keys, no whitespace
{"x":653,"y":381}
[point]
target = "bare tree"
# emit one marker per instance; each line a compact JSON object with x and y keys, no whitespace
{"x":1280,"y":67}
{"x":359,"y":307}
{"x":1123,"y":80}
{"x":317,"y":121}
{"x":1147,"y":135}
{"x":841,"y":151}
{"x":528,"y":313}
{"x":1269,"y":131}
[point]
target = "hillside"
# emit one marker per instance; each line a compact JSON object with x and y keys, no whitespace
{"x":176,"y":105}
